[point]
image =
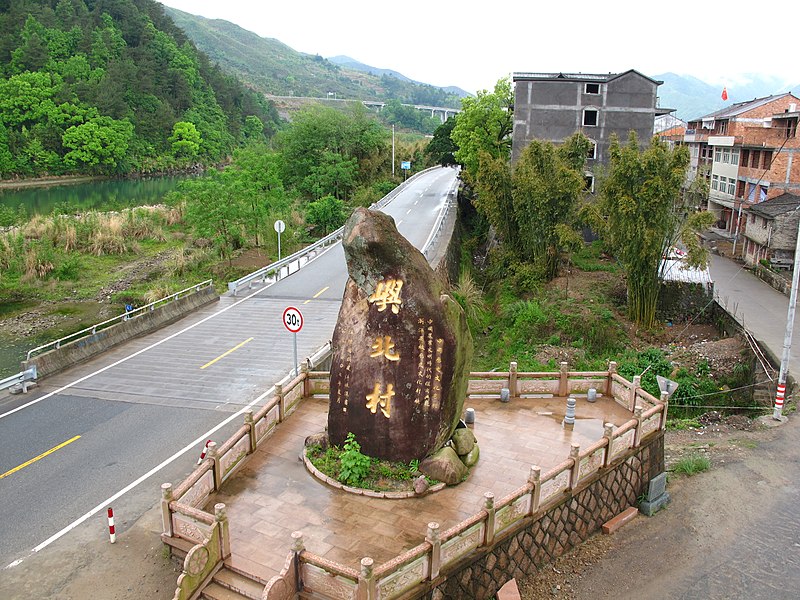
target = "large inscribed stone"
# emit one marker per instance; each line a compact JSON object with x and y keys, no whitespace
{"x":401,"y":347}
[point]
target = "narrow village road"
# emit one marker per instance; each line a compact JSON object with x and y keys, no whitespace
{"x":732,"y":532}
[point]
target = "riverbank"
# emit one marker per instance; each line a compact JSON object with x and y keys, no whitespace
{"x":16,"y":184}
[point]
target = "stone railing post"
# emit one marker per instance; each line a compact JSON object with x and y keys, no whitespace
{"x":297,"y":548}
{"x":612,"y":370}
{"x":367,"y":590}
{"x":166,"y":514}
{"x":436,"y":549}
{"x":211,"y":452}
{"x":637,"y":383}
{"x":665,"y":400}
{"x":279,"y":396}
{"x":535,"y":479}
{"x":221,"y":517}
{"x":512,"y":380}
{"x":637,"y":414}
{"x":608,"y":433}
{"x":251,"y":430}
{"x":574,"y":454}
{"x":488,"y":505}
{"x":306,"y":382}
{"x":563,"y":384}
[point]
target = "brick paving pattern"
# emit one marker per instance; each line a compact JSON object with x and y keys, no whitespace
{"x":273,"y":495}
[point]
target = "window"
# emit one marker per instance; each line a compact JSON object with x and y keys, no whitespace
{"x":726,"y":155}
{"x":588,"y":179}
{"x":791,"y":127}
{"x":590,"y":117}
{"x":740,"y":189}
{"x":767,"y":159}
{"x":735,"y":156}
{"x":745,"y":157}
{"x":592,"y":154}
{"x":731,"y":186}
{"x":592,"y":88}
{"x":715,"y":182}
{"x":718,"y":155}
{"x":755,"y":158}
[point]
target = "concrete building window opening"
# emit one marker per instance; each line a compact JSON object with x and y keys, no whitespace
{"x":588,"y":179}
{"x":718,"y":155}
{"x":715,"y":182}
{"x":590,"y":117}
{"x":592,"y":88}
{"x":592,"y":154}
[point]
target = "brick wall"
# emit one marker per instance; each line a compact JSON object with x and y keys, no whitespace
{"x":537,"y":543}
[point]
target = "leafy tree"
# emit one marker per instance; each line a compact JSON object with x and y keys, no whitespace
{"x":214,"y":213}
{"x":185,"y":139}
{"x":484,"y":124}
{"x":641,"y":213}
{"x":327,"y":213}
{"x":253,"y":128}
{"x":99,"y":141}
{"x":442,"y":148}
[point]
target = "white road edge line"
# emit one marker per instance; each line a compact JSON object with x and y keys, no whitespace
{"x":105,"y":503}
{"x":151,"y":346}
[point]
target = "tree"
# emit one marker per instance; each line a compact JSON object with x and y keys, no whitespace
{"x":213,"y":212}
{"x":534,"y":206}
{"x":99,"y":141}
{"x":185,"y":139}
{"x":442,"y":148}
{"x":326,"y":213}
{"x":641,"y":214}
{"x":484,"y":124}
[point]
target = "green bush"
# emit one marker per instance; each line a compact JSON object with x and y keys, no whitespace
{"x":692,"y":464}
{"x":355,"y":465}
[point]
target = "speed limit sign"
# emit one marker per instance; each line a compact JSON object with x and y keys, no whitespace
{"x":292,"y":319}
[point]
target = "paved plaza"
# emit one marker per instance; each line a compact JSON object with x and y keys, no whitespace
{"x":273,"y":495}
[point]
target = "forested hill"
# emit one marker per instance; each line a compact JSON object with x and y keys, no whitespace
{"x":113,"y":86}
{"x":275,"y":68}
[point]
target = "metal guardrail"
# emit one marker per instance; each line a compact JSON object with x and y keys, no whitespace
{"x":440,"y":220}
{"x":73,"y":337}
{"x":21,"y":378}
{"x":294,"y":262}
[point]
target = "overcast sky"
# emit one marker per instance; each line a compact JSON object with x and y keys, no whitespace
{"x":472,"y":44}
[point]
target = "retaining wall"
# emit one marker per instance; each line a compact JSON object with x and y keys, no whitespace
{"x":85,"y":348}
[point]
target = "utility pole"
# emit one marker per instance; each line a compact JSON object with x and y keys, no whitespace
{"x":780,"y":395}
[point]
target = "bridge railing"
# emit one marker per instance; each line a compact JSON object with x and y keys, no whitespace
{"x":21,"y":379}
{"x":441,"y":219}
{"x":294,"y":262}
{"x":131,"y":314}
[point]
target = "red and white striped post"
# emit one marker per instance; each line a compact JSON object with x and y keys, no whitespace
{"x":112,"y":533}
{"x":203,"y":452}
{"x":780,"y":397}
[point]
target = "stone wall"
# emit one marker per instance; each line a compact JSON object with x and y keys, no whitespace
{"x":682,"y":301}
{"x":537,"y":543}
{"x":776,"y":280}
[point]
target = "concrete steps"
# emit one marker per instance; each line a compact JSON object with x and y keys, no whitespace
{"x":231,"y":585}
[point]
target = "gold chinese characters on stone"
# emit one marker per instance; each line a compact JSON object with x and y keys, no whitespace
{"x":384,"y":347}
{"x":387,"y":293}
{"x":376,"y":399}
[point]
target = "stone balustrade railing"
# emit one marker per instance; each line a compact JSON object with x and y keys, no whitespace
{"x":184,"y":520}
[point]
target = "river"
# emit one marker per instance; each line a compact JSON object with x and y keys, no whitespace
{"x":107,"y":194}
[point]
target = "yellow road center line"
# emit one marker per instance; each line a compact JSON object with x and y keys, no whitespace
{"x":221,"y":356}
{"x":41,"y":456}
{"x":318,"y":294}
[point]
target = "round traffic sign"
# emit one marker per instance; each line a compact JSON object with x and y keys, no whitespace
{"x":280,"y":226}
{"x":292,"y":319}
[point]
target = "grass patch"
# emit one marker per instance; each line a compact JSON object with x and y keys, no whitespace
{"x":692,"y":464}
{"x":683,"y":424}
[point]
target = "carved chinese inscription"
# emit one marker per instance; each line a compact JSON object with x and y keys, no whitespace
{"x":401,"y":347}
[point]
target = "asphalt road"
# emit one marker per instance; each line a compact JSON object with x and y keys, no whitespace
{"x":141,"y":412}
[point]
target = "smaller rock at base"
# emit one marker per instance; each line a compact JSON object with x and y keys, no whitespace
{"x":444,"y":465}
{"x":421,"y":485}
{"x":318,"y":439}
{"x":471,"y":459}
{"x":463,"y":441}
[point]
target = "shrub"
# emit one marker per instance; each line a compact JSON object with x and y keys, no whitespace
{"x":355,"y":466}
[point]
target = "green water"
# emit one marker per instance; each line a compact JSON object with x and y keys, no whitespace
{"x":111,"y":194}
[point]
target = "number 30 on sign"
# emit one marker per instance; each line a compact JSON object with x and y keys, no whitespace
{"x":292,"y":319}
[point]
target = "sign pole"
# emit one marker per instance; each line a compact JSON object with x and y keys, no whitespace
{"x":280,"y":226}
{"x":294,"y":337}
